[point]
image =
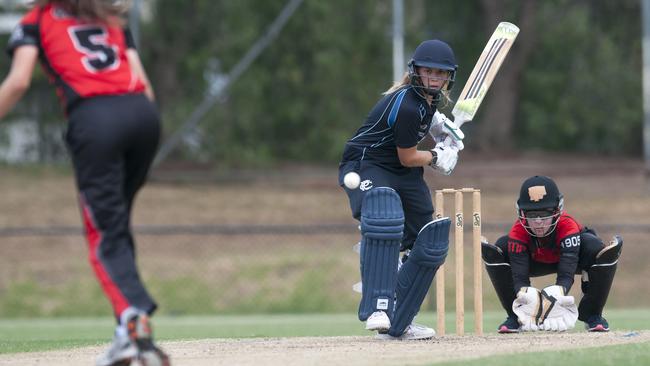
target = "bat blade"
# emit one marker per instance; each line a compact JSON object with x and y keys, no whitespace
{"x":484,"y":71}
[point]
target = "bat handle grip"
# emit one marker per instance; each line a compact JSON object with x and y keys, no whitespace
{"x":460,"y":121}
{"x":449,"y":141}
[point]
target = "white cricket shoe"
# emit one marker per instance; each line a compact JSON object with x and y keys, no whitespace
{"x":122,"y":350}
{"x":378,"y":321}
{"x":413,"y":332}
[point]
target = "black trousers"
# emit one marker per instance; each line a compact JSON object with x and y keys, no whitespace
{"x":409,"y":185}
{"x":112,"y":141}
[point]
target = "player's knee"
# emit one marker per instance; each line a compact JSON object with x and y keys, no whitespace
{"x":382,"y":216}
{"x":382,"y":225}
{"x":493,"y":253}
{"x":590,"y":246}
{"x":610,"y":253}
{"x":432,"y":244}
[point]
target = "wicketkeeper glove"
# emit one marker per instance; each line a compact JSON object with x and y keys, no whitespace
{"x":559,"y":312}
{"x":527,"y":306}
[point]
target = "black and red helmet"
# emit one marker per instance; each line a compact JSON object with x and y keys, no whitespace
{"x":539,"y":193}
{"x":540,"y":205}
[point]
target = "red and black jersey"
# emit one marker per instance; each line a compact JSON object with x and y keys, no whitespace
{"x":82,"y":59}
{"x":561,"y":247}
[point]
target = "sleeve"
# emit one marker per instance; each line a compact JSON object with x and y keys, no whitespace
{"x":519,"y":257}
{"x":406,"y":125}
{"x":128,"y":38}
{"x":568,"y":232}
{"x":519,"y":263}
{"x":25,"y":33}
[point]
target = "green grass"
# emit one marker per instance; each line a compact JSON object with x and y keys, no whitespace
{"x":277,"y":284}
{"x":29,"y":335}
{"x":628,"y":354}
{"x":77,"y":295}
{"x":36,"y":170}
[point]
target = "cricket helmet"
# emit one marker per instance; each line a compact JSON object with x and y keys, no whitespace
{"x":433,"y":54}
{"x":539,"y":199}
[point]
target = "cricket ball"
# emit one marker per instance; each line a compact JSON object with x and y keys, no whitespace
{"x":351,"y":180}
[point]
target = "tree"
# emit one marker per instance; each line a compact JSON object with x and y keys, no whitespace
{"x":501,"y":104}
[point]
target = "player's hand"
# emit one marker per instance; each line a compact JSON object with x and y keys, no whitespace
{"x":444,"y":129}
{"x":526,"y":306}
{"x":559,"y":312}
{"x":450,"y":142}
{"x":446,"y":158}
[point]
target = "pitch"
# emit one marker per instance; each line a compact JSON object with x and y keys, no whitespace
{"x":352,"y":350}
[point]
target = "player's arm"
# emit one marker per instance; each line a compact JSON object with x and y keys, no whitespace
{"x":412,"y":157}
{"x":407,"y":138}
{"x":519,"y":263}
{"x":569,"y":255}
{"x":19,"y":78}
{"x":136,"y":67}
{"x":442,"y":157}
{"x":135,"y":64}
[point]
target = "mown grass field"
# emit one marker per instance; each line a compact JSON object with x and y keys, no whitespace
{"x":35,"y":335}
{"x":629,"y":354}
{"x":28,"y":335}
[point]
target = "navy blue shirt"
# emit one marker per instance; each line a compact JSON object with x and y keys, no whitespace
{"x":400,"y":119}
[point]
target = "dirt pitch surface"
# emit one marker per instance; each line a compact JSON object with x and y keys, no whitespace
{"x":344,"y":350}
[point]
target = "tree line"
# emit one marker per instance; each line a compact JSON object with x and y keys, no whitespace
{"x":572,"y":82}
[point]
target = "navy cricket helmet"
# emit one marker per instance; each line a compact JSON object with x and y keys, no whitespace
{"x":436,"y":54}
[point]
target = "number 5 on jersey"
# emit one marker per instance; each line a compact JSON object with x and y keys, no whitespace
{"x":99,"y":55}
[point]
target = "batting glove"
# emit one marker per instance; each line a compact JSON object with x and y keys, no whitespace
{"x":444,"y":129}
{"x":445,"y":159}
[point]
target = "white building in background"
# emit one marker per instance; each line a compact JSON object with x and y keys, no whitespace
{"x":10,"y":13}
{"x":19,"y":142}
{"x":27,"y":141}
{"x":8,"y":21}
{"x":18,"y":139}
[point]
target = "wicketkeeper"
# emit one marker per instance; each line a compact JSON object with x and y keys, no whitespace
{"x":546,"y":240}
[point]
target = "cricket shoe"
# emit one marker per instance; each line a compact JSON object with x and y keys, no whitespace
{"x":378,"y":321}
{"x":511,"y":325}
{"x":139,"y":330}
{"x":596,"y":323}
{"x":413,"y":332}
{"x":121,"y":352}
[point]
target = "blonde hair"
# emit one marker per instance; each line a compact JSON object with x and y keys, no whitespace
{"x":397,"y":85}
{"x":92,"y":10}
{"x":406,"y":81}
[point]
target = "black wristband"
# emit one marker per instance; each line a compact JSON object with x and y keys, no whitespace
{"x":434,"y":158}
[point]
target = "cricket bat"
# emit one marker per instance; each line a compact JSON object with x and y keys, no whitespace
{"x":485,"y":70}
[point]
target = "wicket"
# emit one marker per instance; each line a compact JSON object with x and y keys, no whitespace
{"x":458,"y":250}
